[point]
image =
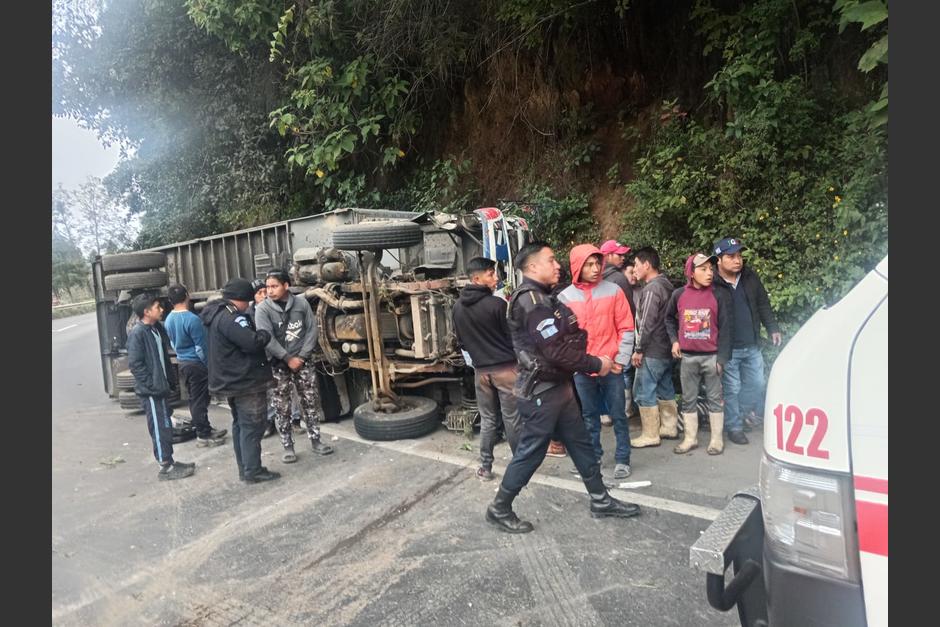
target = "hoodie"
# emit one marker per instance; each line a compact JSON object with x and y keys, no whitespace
{"x":701,"y":319}
{"x":237,"y":363}
{"x":482,"y":328}
{"x":293,"y":327}
{"x":601,"y":308}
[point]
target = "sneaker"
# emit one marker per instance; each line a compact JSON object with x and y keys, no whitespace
{"x":289,"y":457}
{"x":176,"y":470}
{"x":621,"y":471}
{"x":217,"y":434}
{"x":320,"y":448}
{"x":737,"y":437}
{"x":485,"y":474}
{"x":262,"y":475}
{"x":209,"y":442}
{"x":556,"y":449}
{"x":606,"y":420}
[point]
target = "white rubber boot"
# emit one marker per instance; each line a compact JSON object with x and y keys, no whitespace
{"x":690,"y":441}
{"x":669,"y":412}
{"x":717,"y":423}
{"x":649,"y":417}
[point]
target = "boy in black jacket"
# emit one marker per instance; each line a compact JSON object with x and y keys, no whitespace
{"x":148,"y":356}
{"x":483,"y":331}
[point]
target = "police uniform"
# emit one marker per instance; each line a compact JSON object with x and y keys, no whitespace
{"x":239,"y":370}
{"x":549,"y":347}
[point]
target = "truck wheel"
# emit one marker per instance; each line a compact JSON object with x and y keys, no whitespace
{"x":419,"y":417}
{"x":125,"y":380}
{"x":127,"y":262}
{"x":378,"y":235}
{"x":130,"y":402}
{"x":135,"y":280}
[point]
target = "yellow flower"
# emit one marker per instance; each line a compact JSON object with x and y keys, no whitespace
{"x":838,"y":199}
{"x":845,"y":232}
{"x":836,"y":257}
{"x":401,"y":153}
{"x":780,"y":275}
{"x":832,"y":189}
{"x":817,"y":236}
{"x":320,"y":173}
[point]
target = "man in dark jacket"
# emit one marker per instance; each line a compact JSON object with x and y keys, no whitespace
{"x":615,"y":256}
{"x":148,"y":357}
{"x":699,"y":321}
{"x":483,"y":331}
{"x":293,"y":328}
{"x":239,"y":370}
{"x":743,"y":378}
{"x":549,"y":347}
{"x":652,"y":354}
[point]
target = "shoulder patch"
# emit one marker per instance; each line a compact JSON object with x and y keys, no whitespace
{"x":242,"y":321}
{"x":547,"y":328}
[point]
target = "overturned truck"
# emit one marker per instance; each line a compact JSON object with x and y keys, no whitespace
{"x":382,"y":285}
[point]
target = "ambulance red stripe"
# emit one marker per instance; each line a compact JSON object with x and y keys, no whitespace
{"x":871,"y":484}
{"x":872,"y":527}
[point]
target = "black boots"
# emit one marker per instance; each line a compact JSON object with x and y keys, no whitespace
{"x":608,"y":506}
{"x":500,"y":514}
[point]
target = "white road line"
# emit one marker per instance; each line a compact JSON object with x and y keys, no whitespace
{"x":409,"y":447}
{"x":64,"y":328}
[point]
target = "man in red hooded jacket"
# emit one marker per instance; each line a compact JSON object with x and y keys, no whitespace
{"x":603,"y":311}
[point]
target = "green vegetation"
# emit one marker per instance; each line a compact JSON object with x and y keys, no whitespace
{"x":671,"y":122}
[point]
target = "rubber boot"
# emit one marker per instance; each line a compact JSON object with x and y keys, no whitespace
{"x":500,"y":513}
{"x":717,"y":423}
{"x":669,"y":412}
{"x":649,"y":417}
{"x":690,"y":441}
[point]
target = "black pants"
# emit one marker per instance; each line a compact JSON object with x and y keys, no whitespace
{"x":196,"y":376}
{"x":160,"y":427}
{"x":546,"y":416}
{"x":249,"y":419}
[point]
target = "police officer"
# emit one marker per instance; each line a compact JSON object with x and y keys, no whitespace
{"x":239,"y":370}
{"x":549,"y":347}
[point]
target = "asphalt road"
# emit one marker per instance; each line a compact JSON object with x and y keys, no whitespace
{"x":375,"y":534}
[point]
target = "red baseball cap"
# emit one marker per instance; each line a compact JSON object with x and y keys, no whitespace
{"x":613,"y":246}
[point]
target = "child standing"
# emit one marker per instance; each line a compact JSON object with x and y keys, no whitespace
{"x":699,"y":320}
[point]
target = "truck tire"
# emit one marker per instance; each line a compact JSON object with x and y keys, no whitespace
{"x":128,"y":262}
{"x":130,"y":402}
{"x":135,"y":280}
{"x":125,"y":380}
{"x":378,"y":235}
{"x":419,"y":418}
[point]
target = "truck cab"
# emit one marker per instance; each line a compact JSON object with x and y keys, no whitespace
{"x":808,"y":545}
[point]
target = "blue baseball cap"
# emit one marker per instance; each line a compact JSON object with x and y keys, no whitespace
{"x":728,"y":245}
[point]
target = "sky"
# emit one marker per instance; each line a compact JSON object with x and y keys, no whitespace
{"x":77,"y":154}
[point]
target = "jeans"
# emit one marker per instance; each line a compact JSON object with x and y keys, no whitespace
{"x":196,"y":376}
{"x":595,"y":394}
{"x":653,"y":382}
{"x":552,"y":413}
{"x":495,"y":400}
{"x":743,"y":384}
{"x":248,"y":424}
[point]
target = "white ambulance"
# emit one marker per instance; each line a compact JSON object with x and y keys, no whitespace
{"x":809,"y":544}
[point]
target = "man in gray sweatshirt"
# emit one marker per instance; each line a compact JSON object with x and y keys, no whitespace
{"x":293,"y":330}
{"x":652,"y":354}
